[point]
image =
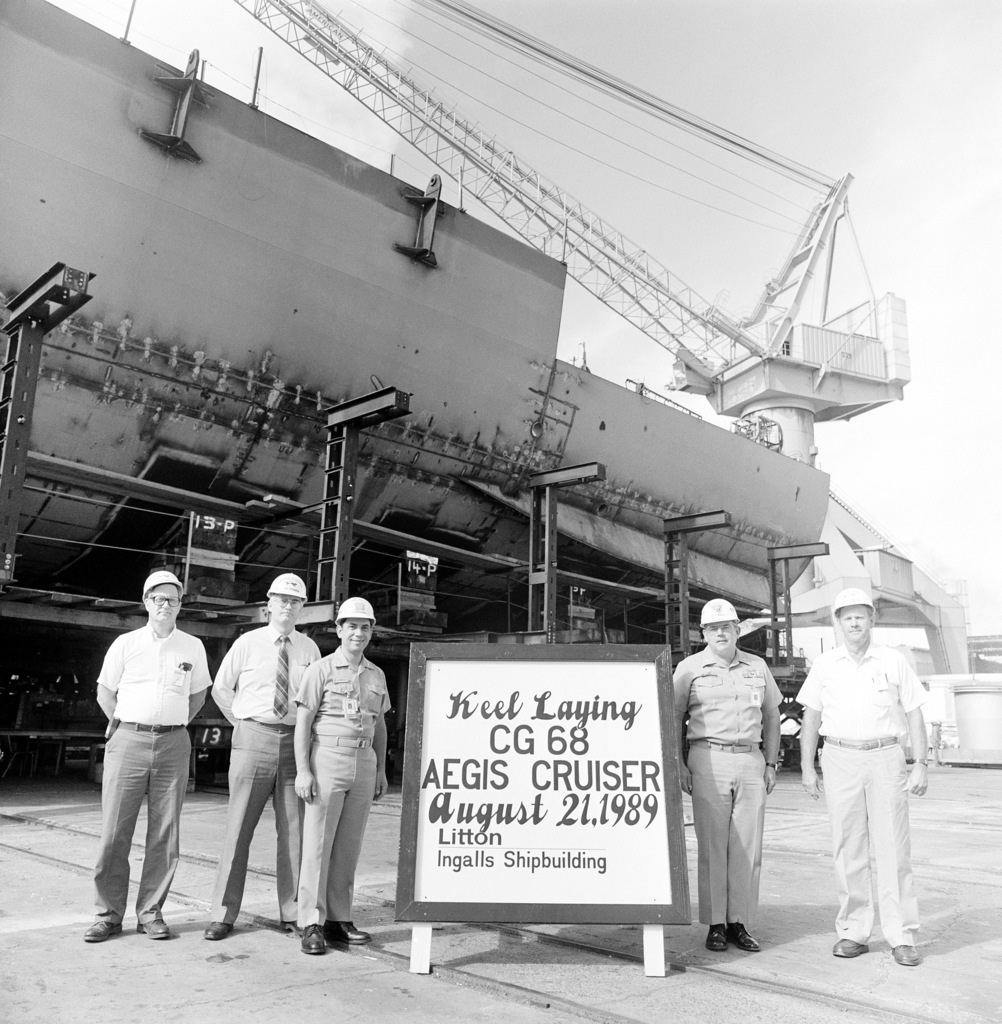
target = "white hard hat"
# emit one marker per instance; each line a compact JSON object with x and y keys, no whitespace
{"x":850,"y":596}
{"x":289,"y":584}
{"x":155,"y":579}
{"x":355,"y":608}
{"x":718,"y":610}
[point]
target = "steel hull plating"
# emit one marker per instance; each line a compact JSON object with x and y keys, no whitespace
{"x":237,"y":298}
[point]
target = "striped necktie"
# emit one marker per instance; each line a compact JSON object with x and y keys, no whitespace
{"x":282,"y":678}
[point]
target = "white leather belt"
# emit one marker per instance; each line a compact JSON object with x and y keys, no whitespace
{"x":884,"y":741}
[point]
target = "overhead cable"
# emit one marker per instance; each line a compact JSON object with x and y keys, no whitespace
{"x":622,"y":170}
{"x":590,"y":74}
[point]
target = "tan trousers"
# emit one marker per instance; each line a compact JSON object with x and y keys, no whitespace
{"x":728,"y":810}
{"x":333,"y":826}
{"x":867,"y":796}
{"x":262,"y":766}
{"x":136,"y":765}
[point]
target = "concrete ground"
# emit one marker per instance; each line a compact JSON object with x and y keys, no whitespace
{"x":48,"y":839}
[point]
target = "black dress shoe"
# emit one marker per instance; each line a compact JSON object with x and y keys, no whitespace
{"x":341,"y":933}
{"x":738,"y":934}
{"x":217,"y":930}
{"x":716,"y":938}
{"x":101,"y":930}
{"x":313,"y":940}
{"x":155,"y":929}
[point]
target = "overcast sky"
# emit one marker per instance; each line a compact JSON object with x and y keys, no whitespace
{"x":906,"y":95}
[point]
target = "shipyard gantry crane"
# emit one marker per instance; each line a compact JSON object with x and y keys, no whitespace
{"x":774,"y":373}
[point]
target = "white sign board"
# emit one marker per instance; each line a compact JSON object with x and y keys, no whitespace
{"x":541,"y":784}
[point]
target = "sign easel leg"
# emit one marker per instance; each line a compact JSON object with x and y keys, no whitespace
{"x":421,"y":949}
{"x":654,"y":951}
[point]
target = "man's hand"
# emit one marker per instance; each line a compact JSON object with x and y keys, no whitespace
{"x":770,"y":778}
{"x":306,"y":786}
{"x":918,"y":780}
{"x":685,"y":777}
{"x":382,"y":786}
{"x":810,"y":781}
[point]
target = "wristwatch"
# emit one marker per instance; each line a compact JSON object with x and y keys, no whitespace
{"x":770,"y":764}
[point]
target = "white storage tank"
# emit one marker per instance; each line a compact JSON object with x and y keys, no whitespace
{"x":977,"y":702}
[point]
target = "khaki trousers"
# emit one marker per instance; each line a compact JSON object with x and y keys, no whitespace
{"x":137,"y":765}
{"x":333,"y":826}
{"x":262,"y":765}
{"x":867,"y":796}
{"x":728,"y":810}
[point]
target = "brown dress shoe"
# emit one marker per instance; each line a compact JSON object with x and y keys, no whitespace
{"x":738,"y":934}
{"x":155,"y":929}
{"x":907,"y":956}
{"x":217,"y":930}
{"x":847,"y":949}
{"x":101,"y":930}
{"x":313,"y":940}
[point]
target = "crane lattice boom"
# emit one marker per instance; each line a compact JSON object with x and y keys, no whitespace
{"x":619,"y":272}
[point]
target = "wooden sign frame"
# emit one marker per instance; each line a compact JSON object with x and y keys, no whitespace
{"x":512,"y":677}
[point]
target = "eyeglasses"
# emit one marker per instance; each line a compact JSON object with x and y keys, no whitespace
{"x":291,"y":602}
{"x":159,"y":600}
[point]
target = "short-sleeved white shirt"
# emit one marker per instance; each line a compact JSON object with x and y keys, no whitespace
{"x":861,"y":702}
{"x":154,"y":678}
{"x":245,"y":682}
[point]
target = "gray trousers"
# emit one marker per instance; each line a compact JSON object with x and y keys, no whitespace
{"x":262,"y":765}
{"x":137,"y":765}
{"x":728,"y":811}
{"x":333,"y":827}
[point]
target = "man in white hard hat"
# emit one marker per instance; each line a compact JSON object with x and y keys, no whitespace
{"x":152,"y":683}
{"x":864,"y":699}
{"x":732,"y":704}
{"x":255,"y":689}
{"x":341,"y":757}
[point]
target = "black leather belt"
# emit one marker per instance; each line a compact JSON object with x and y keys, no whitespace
{"x":884,"y":741}
{"x":140,"y":727}
{"x":277,"y":726}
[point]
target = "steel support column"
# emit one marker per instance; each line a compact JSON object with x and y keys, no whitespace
{"x":543,"y":541}
{"x":781,"y":630}
{"x":337,"y":514}
{"x":543,"y":562}
{"x":42,"y":306}
{"x":676,"y":533}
